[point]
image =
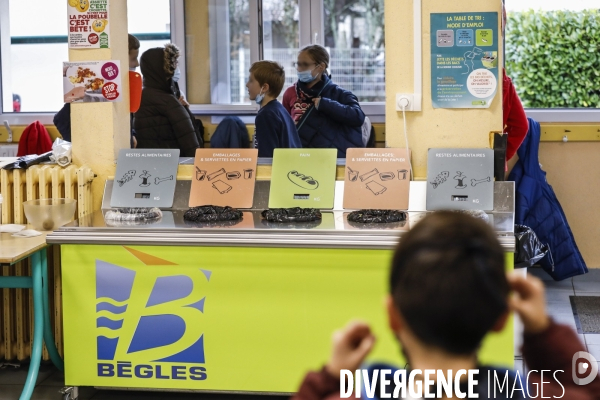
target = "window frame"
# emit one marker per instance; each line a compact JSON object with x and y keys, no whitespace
{"x":47,"y":118}
{"x":311,"y":27}
{"x":311,"y":30}
{"x":556,"y":115}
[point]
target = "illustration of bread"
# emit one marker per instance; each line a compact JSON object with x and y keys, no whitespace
{"x":304,"y":181}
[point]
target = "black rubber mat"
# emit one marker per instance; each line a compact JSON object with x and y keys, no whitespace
{"x":586,"y":310}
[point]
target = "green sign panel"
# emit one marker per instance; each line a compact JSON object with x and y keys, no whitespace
{"x":303,"y":178}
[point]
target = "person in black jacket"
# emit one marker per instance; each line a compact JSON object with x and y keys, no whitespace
{"x":162,"y":122}
{"x":326,"y":115}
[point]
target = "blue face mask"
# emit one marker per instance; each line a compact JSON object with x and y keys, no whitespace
{"x":259,"y":97}
{"x":306,"y":76}
{"x":176,"y":75}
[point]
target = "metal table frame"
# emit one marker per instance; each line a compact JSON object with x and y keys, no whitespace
{"x":38,"y":281}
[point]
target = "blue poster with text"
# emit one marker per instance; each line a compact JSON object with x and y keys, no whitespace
{"x":464,"y":59}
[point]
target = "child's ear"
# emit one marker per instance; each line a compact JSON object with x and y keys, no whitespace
{"x":501,"y":322}
{"x":394,"y":318}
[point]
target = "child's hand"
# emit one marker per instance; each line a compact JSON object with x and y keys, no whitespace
{"x":529,"y":302}
{"x":183,"y":101}
{"x":350,"y":347}
{"x":316,"y":102}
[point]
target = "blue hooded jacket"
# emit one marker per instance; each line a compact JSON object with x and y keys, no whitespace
{"x":336,"y":123}
{"x":537,"y":207}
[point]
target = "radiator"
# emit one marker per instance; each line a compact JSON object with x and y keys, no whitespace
{"x":16,"y":305}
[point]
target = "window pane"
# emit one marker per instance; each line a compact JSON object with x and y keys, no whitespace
{"x":152,"y":29}
{"x":354,"y":34}
{"x":218,"y":46}
{"x":35,"y":68}
{"x":217,"y":51}
{"x":239,"y":50}
{"x":281,"y":35}
{"x":552,"y":54}
{"x":32,"y":70}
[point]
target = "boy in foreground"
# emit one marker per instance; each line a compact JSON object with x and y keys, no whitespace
{"x":448,"y":289}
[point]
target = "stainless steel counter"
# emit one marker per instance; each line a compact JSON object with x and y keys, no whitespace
{"x":334,"y":231}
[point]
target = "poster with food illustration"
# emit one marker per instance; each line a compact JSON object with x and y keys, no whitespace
{"x":92,"y":81}
{"x":377,"y":179}
{"x":303,"y":178}
{"x":88,"y":24}
{"x":224,"y":177}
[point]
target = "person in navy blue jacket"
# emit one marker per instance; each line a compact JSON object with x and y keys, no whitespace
{"x":274,"y":126}
{"x":326,"y":115}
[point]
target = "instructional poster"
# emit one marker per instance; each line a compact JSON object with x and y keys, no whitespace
{"x":464,"y":59}
{"x":92,"y":81}
{"x":88,"y":24}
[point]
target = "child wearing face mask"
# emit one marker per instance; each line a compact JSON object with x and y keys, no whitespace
{"x":326,"y":115}
{"x":274,"y":126}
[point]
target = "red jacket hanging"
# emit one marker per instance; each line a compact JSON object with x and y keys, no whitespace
{"x":34,"y":140}
{"x":514,"y":121}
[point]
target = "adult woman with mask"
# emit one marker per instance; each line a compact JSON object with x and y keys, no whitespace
{"x":162,"y":122}
{"x":326,"y":115}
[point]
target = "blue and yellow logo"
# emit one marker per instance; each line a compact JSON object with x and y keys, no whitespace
{"x":149,"y":323}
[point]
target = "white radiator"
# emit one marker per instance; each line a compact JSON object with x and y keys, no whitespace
{"x":16,"y":305}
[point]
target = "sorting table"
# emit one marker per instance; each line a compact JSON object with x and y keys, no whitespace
{"x":13,"y":250}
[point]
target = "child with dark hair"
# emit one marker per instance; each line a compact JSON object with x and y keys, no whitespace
{"x":133,"y":45}
{"x":274,"y":126}
{"x":448,"y":289}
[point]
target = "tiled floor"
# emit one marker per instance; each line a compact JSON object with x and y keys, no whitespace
{"x":559,"y":305}
{"x":50,"y":380}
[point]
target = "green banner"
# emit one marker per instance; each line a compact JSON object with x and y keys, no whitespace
{"x":221,"y":318}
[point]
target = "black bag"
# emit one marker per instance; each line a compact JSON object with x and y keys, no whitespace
{"x":377,"y":216}
{"x":212,"y":214}
{"x":295,"y":214}
{"x":528,"y":248}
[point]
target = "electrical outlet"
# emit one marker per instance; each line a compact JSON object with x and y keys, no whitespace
{"x":410,"y":101}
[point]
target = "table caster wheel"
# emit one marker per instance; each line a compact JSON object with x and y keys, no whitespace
{"x":69,"y":393}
